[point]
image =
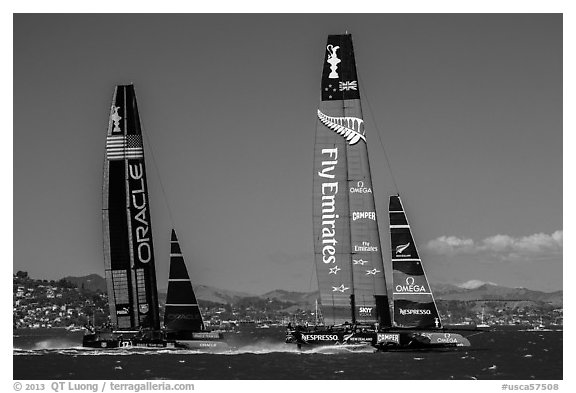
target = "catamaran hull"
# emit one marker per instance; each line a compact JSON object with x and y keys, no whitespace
{"x":110,"y":340}
{"x":384,"y":340}
{"x":392,"y":340}
{"x":315,"y":338}
{"x":128,"y":340}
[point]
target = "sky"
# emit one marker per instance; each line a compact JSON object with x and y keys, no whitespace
{"x":466,"y":107}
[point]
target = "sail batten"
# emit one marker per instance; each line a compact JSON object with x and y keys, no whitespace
{"x":347,"y":244}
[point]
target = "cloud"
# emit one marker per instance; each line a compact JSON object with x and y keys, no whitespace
{"x":473,"y":284}
{"x":450,"y":245}
{"x":500,"y":247}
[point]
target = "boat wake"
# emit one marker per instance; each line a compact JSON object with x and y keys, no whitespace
{"x":55,"y":343}
{"x":335,"y":349}
{"x":61,"y":347}
{"x":264,"y":348}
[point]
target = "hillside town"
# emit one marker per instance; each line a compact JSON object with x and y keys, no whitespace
{"x":64,"y":304}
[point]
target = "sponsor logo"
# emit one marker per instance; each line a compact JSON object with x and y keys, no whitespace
{"x":410,"y":287}
{"x":400,"y":249}
{"x":414,"y":311}
{"x":141,"y":225}
{"x":329,"y":191}
{"x":348,"y":85}
{"x":360,"y":189}
{"x":115,"y":117}
{"x":341,"y":288}
{"x":148,"y":345}
{"x":363,"y":215}
{"x":320,"y":337}
{"x":334,"y":270}
{"x":372,"y":272}
{"x":365,"y":311}
{"x":446,"y":339}
{"x":333,"y":60}
{"x":359,"y":339}
{"x":123,"y":311}
{"x":205,"y":335}
{"x":365,"y":247}
{"x":359,"y":261}
{"x":351,"y":128}
{"x":388,"y":337}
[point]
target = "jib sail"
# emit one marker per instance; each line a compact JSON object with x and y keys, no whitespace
{"x":414,"y":305}
{"x":128,"y":247}
{"x":347,"y":249}
{"x":182,"y":312}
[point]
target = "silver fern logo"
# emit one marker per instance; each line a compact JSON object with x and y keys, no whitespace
{"x":351,"y":128}
{"x":400,"y":249}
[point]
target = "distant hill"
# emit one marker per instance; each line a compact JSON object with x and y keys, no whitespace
{"x":92,"y":282}
{"x":484,"y":291}
{"x":216,"y":295}
{"x":303,"y":298}
{"x":497,"y":292}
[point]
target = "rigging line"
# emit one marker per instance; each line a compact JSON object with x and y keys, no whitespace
{"x":311,"y":277}
{"x":312,"y":199}
{"x":378,"y":134}
{"x":157,"y":170}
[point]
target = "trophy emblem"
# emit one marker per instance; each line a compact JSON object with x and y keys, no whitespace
{"x":333,"y":60}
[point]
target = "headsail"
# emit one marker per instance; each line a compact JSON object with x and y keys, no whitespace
{"x":128,"y":248}
{"x":346,"y":241}
{"x":414,"y":304}
{"x":182,"y":312}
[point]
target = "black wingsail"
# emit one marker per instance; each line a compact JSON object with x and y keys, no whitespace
{"x":128,"y":248}
{"x":182,"y":314}
{"x":346,"y":241}
{"x":414,"y":305}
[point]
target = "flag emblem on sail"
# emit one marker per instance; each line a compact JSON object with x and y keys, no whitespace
{"x":351,"y":128}
{"x":348,"y":85}
{"x":119,"y":147}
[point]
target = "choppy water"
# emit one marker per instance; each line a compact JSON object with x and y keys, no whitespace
{"x":261,"y":354}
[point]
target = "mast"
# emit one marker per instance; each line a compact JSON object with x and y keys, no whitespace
{"x":347,"y":244}
{"x":128,"y":246}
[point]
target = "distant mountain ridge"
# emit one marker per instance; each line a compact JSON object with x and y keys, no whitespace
{"x":483,"y":291}
{"x":497,"y":292}
{"x":92,"y":282}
